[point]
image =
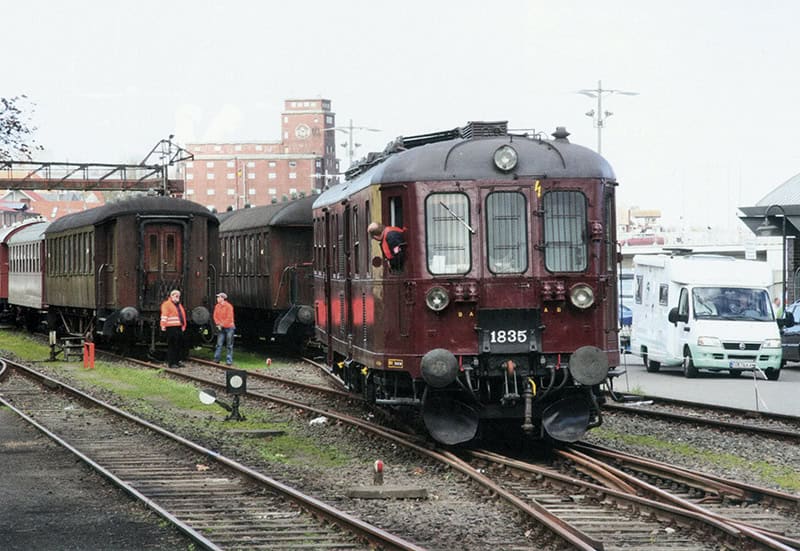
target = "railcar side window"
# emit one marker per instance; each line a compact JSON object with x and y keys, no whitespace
{"x":447,"y":223}
{"x":609,"y":235}
{"x":565,"y":242}
{"x":507,"y":233}
{"x":153,"y":267}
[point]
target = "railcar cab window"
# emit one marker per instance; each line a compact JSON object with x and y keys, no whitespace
{"x":565,"y":240}
{"x":507,"y":233}
{"x":449,"y":230}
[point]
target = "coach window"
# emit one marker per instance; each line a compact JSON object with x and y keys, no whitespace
{"x":335,"y":242}
{"x":448,"y":230}
{"x":237,"y":256}
{"x":507,"y":233}
{"x":565,"y":243}
{"x":396,"y":212}
{"x":356,"y":242}
{"x":153,"y":245}
{"x":610,"y":238}
{"x":171,"y":262}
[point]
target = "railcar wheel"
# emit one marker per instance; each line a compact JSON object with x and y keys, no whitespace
{"x":689,"y":370}
{"x":772,"y":374}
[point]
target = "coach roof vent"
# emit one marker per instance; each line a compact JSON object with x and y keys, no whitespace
{"x":561,"y":134}
{"x":479,"y":129}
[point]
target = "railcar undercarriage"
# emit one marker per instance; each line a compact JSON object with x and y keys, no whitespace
{"x":540,"y":394}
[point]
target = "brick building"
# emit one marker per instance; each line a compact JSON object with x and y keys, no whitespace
{"x":232,"y":175}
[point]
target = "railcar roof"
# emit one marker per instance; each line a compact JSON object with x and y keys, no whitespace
{"x":7,"y":231}
{"x":472,"y":159}
{"x":290,"y":213}
{"x":31,"y":232}
{"x":139,"y":204}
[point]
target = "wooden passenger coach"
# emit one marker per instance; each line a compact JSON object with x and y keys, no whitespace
{"x":111,"y":267}
{"x":266,"y":269}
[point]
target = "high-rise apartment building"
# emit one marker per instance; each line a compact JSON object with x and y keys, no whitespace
{"x":233,"y":175}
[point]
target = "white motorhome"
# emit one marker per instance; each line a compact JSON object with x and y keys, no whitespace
{"x":704,"y":312}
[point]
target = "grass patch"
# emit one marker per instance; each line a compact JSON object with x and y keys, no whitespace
{"x":784,"y":476}
{"x":23,"y":345}
{"x":150,"y":395}
{"x":242,"y":359}
{"x":291,"y":449}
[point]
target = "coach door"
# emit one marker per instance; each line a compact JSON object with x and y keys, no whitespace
{"x":163,"y":261}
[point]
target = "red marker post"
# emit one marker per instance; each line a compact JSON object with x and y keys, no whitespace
{"x":88,"y":355}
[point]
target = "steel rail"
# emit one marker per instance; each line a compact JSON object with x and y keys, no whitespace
{"x":630,"y":498}
{"x":767,"y":538}
{"x":557,"y":525}
{"x":115,"y":480}
{"x":318,"y":507}
{"x":734,"y":488}
{"x":741,"y":427}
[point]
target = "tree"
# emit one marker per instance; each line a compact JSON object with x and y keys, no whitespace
{"x":16,"y":139}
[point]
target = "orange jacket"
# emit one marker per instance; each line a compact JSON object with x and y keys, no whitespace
{"x":170,"y":316}
{"x":392,"y":241}
{"x":223,"y":314}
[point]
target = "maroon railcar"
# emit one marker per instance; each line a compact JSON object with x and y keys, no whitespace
{"x":504,"y":312}
{"x":266,"y":270}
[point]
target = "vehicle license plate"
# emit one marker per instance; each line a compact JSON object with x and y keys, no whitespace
{"x":742,"y":364}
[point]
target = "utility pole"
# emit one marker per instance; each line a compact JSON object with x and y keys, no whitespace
{"x":349,"y":144}
{"x":599,"y":116}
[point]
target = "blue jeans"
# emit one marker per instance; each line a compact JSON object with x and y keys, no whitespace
{"x":225,"y":336}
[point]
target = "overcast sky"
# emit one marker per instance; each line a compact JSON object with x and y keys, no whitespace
{"x":712,"y":127}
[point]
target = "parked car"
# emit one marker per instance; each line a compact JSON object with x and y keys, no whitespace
{"x":790,"y":336}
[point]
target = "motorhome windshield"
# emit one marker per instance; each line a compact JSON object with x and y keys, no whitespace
{"x":731,"y":303}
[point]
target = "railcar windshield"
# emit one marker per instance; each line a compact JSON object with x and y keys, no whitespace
{"x":731,"y":303}
{"x":565,"y":240}
{"x":449,"y":233}
{"x":507,"y":233}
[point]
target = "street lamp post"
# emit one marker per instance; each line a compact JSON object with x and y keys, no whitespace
{"x":766,"y":228}
{"x":599,"y":116}
{"x":349,"y":144}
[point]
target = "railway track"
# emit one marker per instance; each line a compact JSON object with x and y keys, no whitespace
{"x":784,"y":427}
{"x":613,"y":507}
{"x":589,"y":523}
{"x":766,"y":510}
{"x":590,"y":517}
{"x":215,"y":501}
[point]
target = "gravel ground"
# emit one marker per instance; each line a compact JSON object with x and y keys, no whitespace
{"x":59,"y":503}
{"x":727,"y":454}
{"x":455,"y":516}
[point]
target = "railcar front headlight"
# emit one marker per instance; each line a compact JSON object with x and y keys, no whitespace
{"x":771,"y":343}
{"x":581,"y":296}
{"x":709,"y":341}
{"x":437,"y":299}
{"x":505,"y":158}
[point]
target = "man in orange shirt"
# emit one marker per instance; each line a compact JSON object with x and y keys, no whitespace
{"x":223,"y":319}
{"x":173,"y":323}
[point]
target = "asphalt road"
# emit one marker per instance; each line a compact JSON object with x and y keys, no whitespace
{"x":781,"y":396}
